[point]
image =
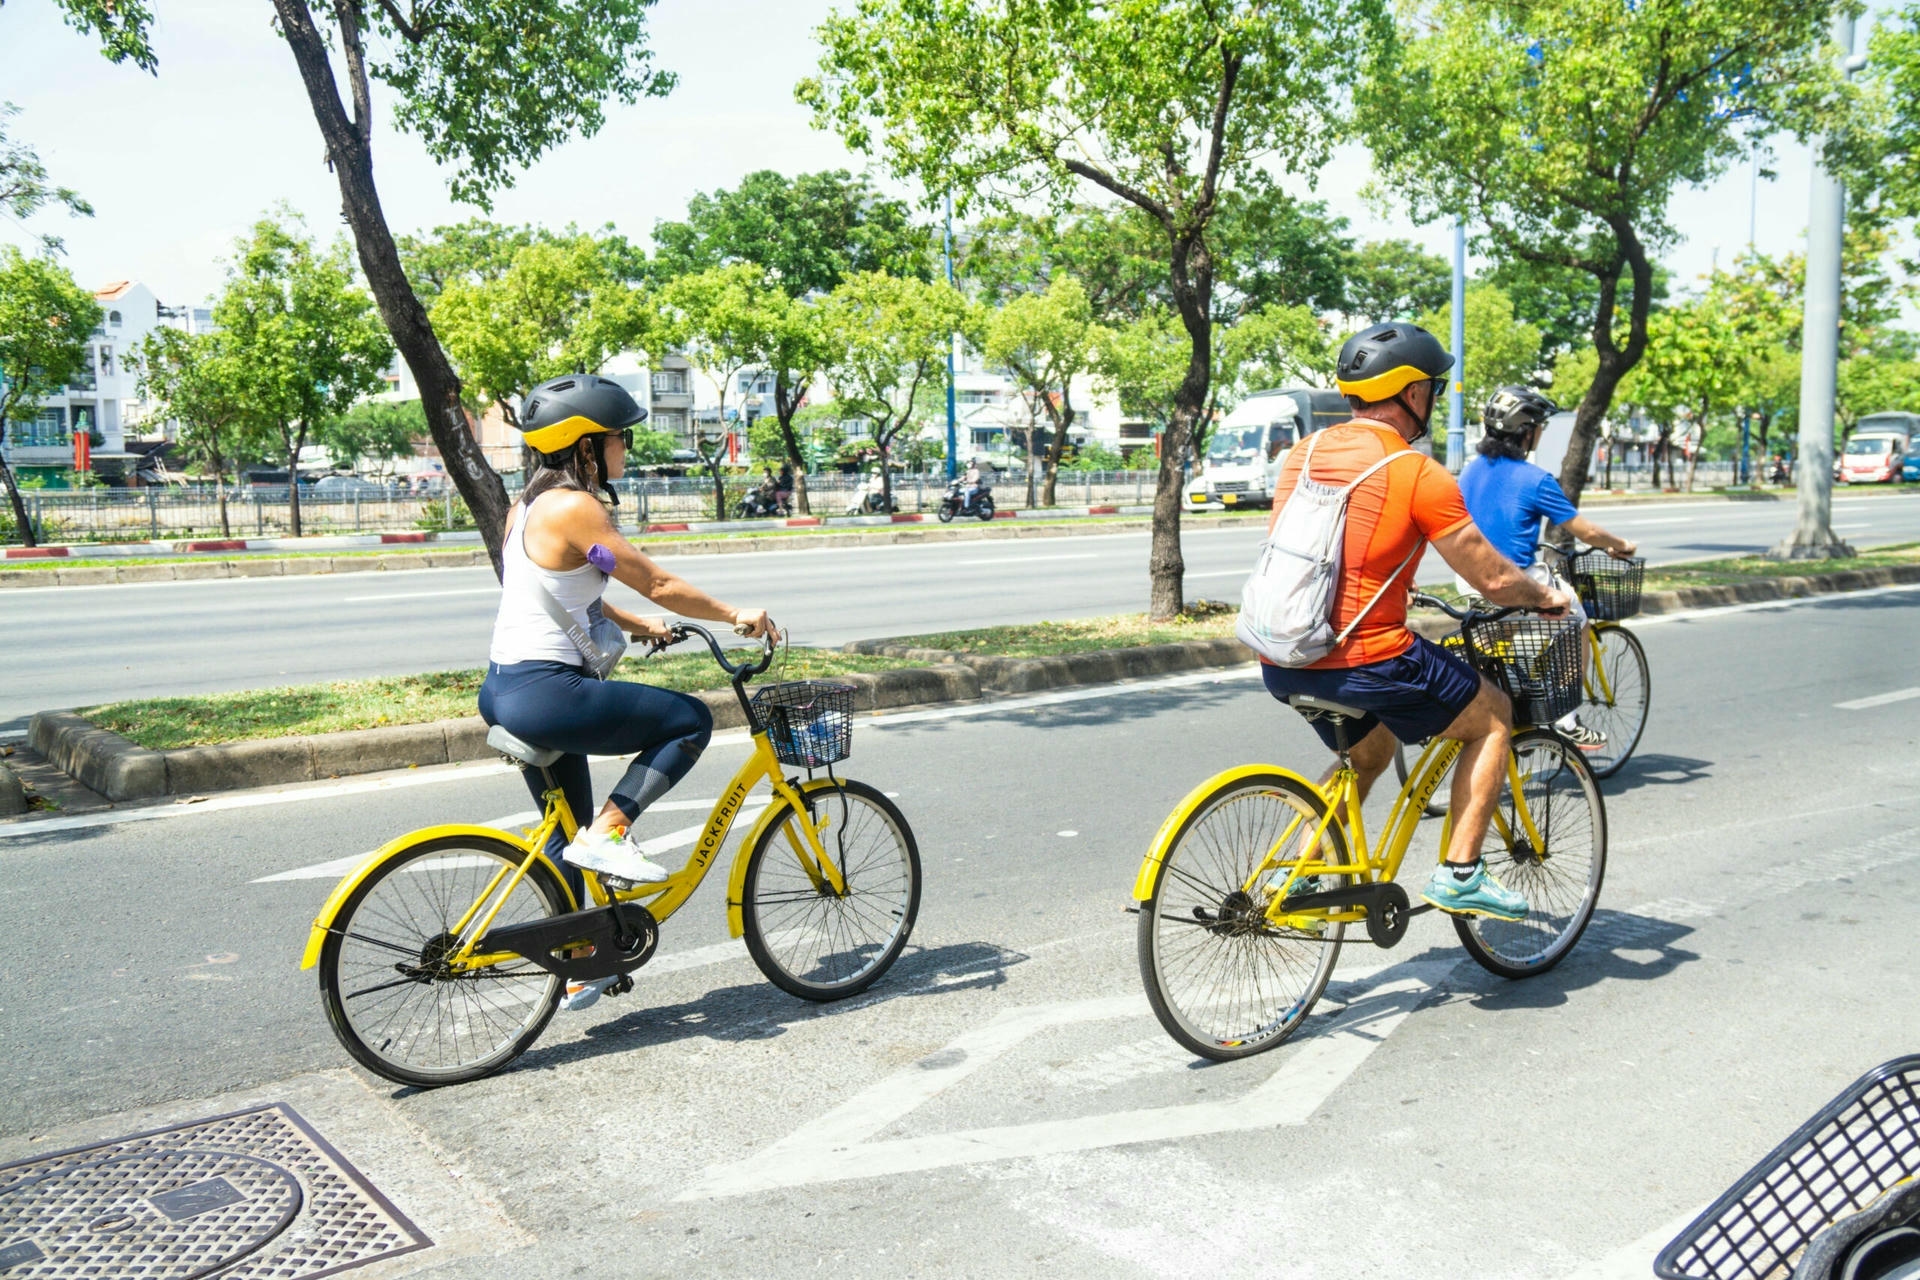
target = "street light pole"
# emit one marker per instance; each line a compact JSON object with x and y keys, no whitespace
{"x":953,"y":434}
{"x":1456,"y":398}
{"x":1813,"y":537}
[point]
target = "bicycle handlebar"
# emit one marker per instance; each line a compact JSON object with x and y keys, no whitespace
{"x":739,"y":671}
{"x":1468,"y":614}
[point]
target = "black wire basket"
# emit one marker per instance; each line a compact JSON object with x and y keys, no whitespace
{"x":1536,"y":660}
{"x":1609,"y":589}
{"x":1851,"y":1153}
{"x":809,"y":722}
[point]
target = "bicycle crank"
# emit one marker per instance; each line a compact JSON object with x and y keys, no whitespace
{"x":582,"y":945}
{"x":1386,"y":906}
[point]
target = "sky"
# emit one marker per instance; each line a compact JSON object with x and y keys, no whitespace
{"x":180,"y":164}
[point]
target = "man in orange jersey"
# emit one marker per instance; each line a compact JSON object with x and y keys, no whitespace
{"x":1407,"y":686}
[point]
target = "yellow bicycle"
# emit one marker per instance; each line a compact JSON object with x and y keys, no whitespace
{"x":1246,"y":893}
{"x":443,"y":956}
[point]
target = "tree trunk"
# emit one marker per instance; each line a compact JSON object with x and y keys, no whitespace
{"x":1033,"y":469}
{"x":293,"y":444}
{"x":20,"y":518}
{"x":1062,"y":420}
{"x":785,"y":405}
{"x":883,"y":441}
{"x":349,"y":150}
{"x":220,"y":492}
{"x":1192,"y":281}
{"x":1614,"y":362}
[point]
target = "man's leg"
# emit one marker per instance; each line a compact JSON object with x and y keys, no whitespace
{"x":1371,"y":756}
{"x":1485,"y":728}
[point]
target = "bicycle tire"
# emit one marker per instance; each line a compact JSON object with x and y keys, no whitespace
{"x":1437,"y":805}
{"x":1625,"y":718}
{"x":1162,"y":954}
{"x":1561,"y":904}
{"x":343,"y":969}
{"x":780,"y":905}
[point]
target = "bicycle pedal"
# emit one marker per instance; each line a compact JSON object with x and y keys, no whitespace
{"x":617,"y":884}
{"x":621,"y":987}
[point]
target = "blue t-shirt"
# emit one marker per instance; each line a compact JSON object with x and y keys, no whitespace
{"x":1508,"y":498}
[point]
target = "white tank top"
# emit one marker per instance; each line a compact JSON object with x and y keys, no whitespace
{"x":522,"y":630}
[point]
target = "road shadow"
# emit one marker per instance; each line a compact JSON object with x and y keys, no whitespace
{"x":760,"y":1011}
{"x":1618,"y":946}
{"x":1655,"y":769}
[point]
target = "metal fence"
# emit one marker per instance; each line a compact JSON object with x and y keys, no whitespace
{"x":263,"y":511}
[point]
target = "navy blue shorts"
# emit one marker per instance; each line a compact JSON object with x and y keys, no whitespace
{"x":1416,"y":695}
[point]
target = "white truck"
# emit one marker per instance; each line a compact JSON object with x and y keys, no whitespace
{"x":1247,"y":447}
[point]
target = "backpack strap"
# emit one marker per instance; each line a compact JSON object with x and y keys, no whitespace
{"x":1360,"y":617}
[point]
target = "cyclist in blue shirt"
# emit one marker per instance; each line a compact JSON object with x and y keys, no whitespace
{"x":1508,"y":497}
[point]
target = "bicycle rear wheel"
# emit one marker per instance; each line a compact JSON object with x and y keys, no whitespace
{"x":810,"y":941}
{"x":395,"y":1007}
{"x":1623,"y":716}
{"x":1561,"y":879}
{"x":1223,"y":982}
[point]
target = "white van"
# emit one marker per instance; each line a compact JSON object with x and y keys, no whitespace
{"x":1876,"y":452}
{"x":1246,"y":449}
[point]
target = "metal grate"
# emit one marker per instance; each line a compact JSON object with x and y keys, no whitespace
{"x":1839,"y":1162}
{"x":255,"y":1194}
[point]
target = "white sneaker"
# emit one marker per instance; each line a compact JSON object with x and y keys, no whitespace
{"x":583,"y":995}
{"x":613,"y":855}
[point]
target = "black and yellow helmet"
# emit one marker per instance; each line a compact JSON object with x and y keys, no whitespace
{"x":561,"y":411}
{"x":1379,"y":363}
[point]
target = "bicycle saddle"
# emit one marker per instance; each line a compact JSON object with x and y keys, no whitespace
{"x":1310,"y":706}
{"x":508,"y":745}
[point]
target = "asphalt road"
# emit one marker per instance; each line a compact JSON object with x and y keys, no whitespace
{"x":974,"y":1115}
{"x":76,"y":646}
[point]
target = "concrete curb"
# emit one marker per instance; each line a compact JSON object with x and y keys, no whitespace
{"x":13,"y":796}
{"x":120,"y":770}
{"x":80,"y":575}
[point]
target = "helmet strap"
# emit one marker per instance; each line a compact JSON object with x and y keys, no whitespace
{"x":598,"y":445}
{"x":1425,"y":421}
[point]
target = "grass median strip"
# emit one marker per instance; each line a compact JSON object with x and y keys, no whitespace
{"x":161,"y":724}
{"x":1204,"y":621}
{"x":1718,"y":573}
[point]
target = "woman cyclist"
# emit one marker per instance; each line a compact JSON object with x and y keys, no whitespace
{"x":561,"y":543}
{"x":1508,"y":497}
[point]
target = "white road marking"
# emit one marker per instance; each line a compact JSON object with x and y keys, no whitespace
{"x":1218,"y":573}
{"x":337,"y":867}
{"x":493,"y":590}
{"x":1642,"y":524}
{"x":1879,"y":699}
{"x":838,"y":1145}
{"x":1025,"y":559}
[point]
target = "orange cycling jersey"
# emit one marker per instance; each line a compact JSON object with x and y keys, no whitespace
{"x":1401,"y":506}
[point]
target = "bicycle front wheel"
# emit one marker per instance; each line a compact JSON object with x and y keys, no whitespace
{"x":1223,"y":981}
{"x":810,"y":940}
{"x":1560,"y":878}
{"x":1617,"y":704}
{"x":393,"y":1003}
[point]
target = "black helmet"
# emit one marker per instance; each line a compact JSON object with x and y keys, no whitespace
{"x":562,"y":410}
{"x":1379,"y":363}
{"x":1515,"y":410}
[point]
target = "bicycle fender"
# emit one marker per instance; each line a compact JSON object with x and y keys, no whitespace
{"x":737,"y":874}
{"x":1149,"y":877}
{"x":323,"y":923}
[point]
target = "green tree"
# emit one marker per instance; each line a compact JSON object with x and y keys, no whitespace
{"x":488,"y":86}
{"x":1501,"y":349}
{"x":46,"y":321}
{"x":1694,"y":365}
{"x":24,"y":188}
{"x":557,"y":308}
{"x":379,"y":429}
{"x":1561,"y":301}
{"x":1164,"y":104}
{"x":307,"y":332}
{"x":1870,"y":384}
{"x":1562,"y":127}
{"x":477,"y":251}
{"x":1879,"y":156}
{"x":1114,"y":251}
{"x":888,"y":339}
{"x":1394,"y":279}
{"x":810,"y":231}
{"x":1046,"y":340}
{"x":199,"y":383}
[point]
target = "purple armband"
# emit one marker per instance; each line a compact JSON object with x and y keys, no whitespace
{"x":600,"y":558}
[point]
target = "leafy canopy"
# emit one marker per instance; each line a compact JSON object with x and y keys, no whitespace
{"x":1501,"y":349}
{"x":24,"y":189}
{"x":46,"y":319}
{"x":206,"y":389}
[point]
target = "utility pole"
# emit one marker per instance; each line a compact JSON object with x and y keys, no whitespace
{"x":953,"y":433}
{"x":1456,"y":398}
{"x":1813,"y":537}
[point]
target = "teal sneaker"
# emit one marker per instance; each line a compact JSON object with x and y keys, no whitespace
{"x":1478,"y":895}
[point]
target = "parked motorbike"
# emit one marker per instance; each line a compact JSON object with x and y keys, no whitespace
{"x":956,"y":504}
{"x":873,"y":504}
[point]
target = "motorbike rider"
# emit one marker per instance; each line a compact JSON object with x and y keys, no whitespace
{"x":978,"y":479}
{"x":783,"y":485}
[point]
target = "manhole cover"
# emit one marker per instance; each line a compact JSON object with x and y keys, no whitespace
{"x":253,"y":1194}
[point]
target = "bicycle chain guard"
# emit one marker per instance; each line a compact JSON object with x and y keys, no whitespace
{"x":1386,"y":905}
{"x":582,"y":945}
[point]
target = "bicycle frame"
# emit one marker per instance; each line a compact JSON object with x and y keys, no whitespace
{"x":1342,"y":802}
{"x":662,"y":899}
{"x":1596,"y":669}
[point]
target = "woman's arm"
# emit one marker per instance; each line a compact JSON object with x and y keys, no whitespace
{"x":584,"y":524}
{"x":1592,"y":534}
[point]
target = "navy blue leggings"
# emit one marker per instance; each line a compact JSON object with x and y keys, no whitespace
{"x":562,"y":708}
